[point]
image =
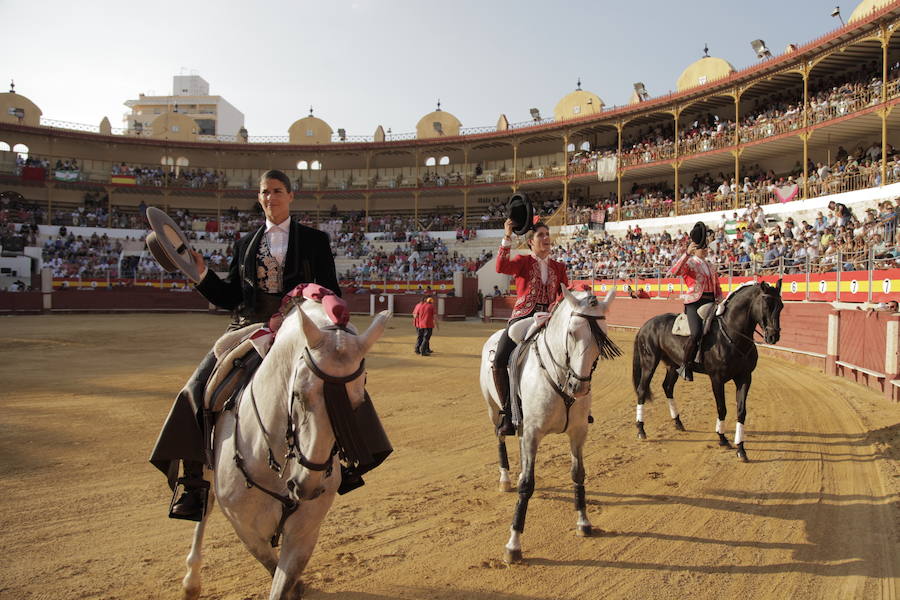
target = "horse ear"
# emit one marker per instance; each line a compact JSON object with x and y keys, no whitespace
{"x":778,"y":287}
{"x":610,"y":296}
{"x":310,"y":330}
{"x":570,"y":298}
{"x":375,"y":330}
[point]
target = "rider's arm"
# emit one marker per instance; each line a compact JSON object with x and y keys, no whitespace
{"x":226,"y":294}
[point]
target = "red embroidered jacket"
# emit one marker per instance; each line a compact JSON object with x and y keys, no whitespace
{"x":529,"y":288}
{"x":699,"y":275}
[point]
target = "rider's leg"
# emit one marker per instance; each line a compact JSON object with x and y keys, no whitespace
{"x":191,"y":501}
{"x":690,"y":347}
{"x":505,"y":346}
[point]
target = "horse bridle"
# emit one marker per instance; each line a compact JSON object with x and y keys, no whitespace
{"x":749,"y":338}
{"x":602,"y":341}
{"x":288,"y":504}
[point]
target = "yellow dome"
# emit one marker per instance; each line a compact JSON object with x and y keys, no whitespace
{"x":705,"y":70}
{"x":12,"y":105}
{"x":310,"y":130}
{"x":865,"y":8}
{"x":427,"y":127}
{"x":174,"y":126}
{"x":577,"y":104}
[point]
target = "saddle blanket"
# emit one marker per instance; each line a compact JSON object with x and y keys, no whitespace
{"x":681,"y":326}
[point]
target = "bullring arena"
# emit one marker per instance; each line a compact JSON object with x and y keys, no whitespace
{"x":97,"y":339}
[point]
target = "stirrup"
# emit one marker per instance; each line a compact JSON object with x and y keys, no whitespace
{"x":190,"y":485}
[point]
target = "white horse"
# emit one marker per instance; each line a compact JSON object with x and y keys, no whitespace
{"x":287,"y":499}
{"x":555,"y":388}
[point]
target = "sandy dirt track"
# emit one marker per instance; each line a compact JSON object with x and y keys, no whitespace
{"x":815,"y":514}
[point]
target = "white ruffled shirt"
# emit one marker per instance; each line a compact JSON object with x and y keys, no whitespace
{"x":277,"y":237}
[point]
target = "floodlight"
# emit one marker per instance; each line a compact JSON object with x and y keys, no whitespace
{"x":535,"y":114}
{"x":759,"y":46}
{"x":438,"y":127}
{"x":342,"y":134}
{"x":18,"y":113}
{"x":641,"y":91}
{"x":837,"y":13}
{"x":138,"y":128}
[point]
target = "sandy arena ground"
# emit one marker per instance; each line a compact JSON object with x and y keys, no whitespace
{"x":815,"y":514}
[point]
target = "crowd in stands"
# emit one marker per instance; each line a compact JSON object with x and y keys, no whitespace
{"x":747,"y":242}
{"x":170,"y":176}
{"x":423,"y":258}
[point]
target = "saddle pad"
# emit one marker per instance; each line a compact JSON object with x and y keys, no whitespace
{"x":228,"y":375}
{"x":232,"y":339}
{"x":681,"y":327}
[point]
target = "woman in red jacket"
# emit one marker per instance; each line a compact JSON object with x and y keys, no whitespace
{"x":703,"y":287}
{"x":538,"y":278}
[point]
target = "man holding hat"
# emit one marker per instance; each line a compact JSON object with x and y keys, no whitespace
{"x":538,"y":278}
{"x":703,"y":287}
{"x":266,"y":264}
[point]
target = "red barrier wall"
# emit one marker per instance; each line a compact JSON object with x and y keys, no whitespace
{"x":862,"y":338}
{"x":136,"y":299}
{"x":19,"y":302}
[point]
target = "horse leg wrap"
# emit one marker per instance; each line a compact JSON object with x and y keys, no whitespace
{"x":504,"y":457}
{"x":526,"y":489}
{"x":580,"y":502}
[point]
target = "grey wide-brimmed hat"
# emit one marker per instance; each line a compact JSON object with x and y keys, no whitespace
{"x":169,"y":246}
{"x":520,"y":210}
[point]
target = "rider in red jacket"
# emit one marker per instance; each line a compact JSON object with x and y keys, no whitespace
{"x":703,"y":287}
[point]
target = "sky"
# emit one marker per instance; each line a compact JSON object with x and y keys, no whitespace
{"x":364,"y":63}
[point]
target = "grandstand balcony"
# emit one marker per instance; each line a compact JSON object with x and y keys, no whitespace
{"x":783,"y":116}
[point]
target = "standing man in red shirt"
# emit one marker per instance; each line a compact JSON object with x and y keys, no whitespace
{"x":423,"y":320}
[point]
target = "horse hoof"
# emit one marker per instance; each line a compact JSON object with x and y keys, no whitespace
{"x":505,"y":486}
{"x":642,"y":435}
{"x":678,"y":424}
{"x":723,"y":441}
{"x":741,"y":453}
{"x":512,"y":556}
{"x":584,"y":531}
{"x":190,"y":594}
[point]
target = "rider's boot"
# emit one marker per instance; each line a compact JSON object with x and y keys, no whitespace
{"x":685,"y":371}
{"x":190,"y":503}
{"x":501,"y":381}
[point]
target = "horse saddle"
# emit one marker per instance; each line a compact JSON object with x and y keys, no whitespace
{"x":681,"y":326}
{"x":237,"y":359}
{"x":520,"y":332}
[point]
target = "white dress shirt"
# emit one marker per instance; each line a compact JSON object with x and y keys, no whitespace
{"x":277,"y":238}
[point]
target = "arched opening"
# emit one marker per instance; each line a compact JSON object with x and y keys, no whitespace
{"x":586,"y":146}
{"x":4,"y":147}
{"x":430,"y":161}
{"x":445,"y":160}
{"x":302,"y":165}
{"x":167,"y":161}
{"x":21,"y":150}
{"x":316,"y":165}
{"x":182,"y":161}
{"x":570,"y":148}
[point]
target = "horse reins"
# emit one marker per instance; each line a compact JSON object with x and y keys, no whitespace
{"x":606,"y":349}
{"x":288,"y":504}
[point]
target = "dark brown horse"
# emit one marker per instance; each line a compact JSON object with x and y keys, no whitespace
{"x":728,"y":354}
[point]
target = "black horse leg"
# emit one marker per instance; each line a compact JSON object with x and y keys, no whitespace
{"x":644,"y":363}
{"x":718,"y":388}
{"x":528,"y":449}
{"x":743,"y":387}
{"x":669,"y":389}
{"x":505,"y":484}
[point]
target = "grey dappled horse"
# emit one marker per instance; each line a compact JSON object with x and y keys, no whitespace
{"x":555,"y":387}
{"x":285,"y":394}
{"x":728,"y":354}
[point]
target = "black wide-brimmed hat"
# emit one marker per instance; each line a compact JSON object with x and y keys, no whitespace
{"x":521,"y":212}
{"x":169,"y":246}
{"x":699,"y":234}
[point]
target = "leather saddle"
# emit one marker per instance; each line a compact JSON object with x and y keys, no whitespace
{"x":681,"y":326}
{"x":237,"y":359}
{"x":521,"y":332}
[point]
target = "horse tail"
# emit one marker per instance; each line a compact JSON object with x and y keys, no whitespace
{"x":642,"y":373}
